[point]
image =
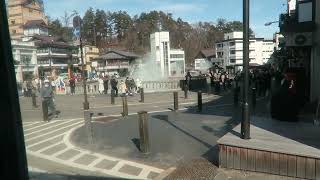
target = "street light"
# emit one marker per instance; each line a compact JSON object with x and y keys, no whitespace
{"x":269,"y":23}
{"x":245,"y":123}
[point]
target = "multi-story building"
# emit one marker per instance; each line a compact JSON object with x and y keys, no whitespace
{"x":177,"y":65}
{"x":25,"y":57}
{"x":230,"y":50}
{"x":55,"y":56}
{"x":114,"y":62}
{"x":298,"y":26}
{"x":161,"y":55}
{"x":89,"y":53}
{"x":205,"y":59}
{"x":22,"y":11}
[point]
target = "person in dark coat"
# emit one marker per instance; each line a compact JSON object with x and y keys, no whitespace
{"x":72,"y":84}
{"x":106,"y":84}
{"x":114,"y":85}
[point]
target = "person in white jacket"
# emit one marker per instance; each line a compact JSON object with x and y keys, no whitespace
{"x":123,"y":88}
{"x":101,"y":86}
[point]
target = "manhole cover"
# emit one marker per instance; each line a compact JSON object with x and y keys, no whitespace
{"x":105,"y":119}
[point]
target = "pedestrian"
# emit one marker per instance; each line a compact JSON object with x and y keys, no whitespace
{"x":47,"y":96}
{"x":24,"y":87}
{"x":114,"y":85}
{"x":106,"y":84}
{"x":53,"y":85}
{"x":123,"y":88}
{"x":138,"y":84}
{"x":72,"y":84}
{"x":188,"y":80}
{"x":100,"y":85}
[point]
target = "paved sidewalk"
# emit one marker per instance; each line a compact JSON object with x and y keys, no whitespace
{"x":50,"y":141}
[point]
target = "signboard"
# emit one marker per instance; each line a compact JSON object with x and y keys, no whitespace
{"x":299,"y":39}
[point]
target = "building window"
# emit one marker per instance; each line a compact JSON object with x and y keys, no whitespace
{"x":232,"y":52}
{"x":220,"y":45}
{"x":232,"y":60}
{"x":176,"y":55}
{"x":14,"y":31}
{"x":13,"y":22}
{"x":232,"y":43}
{"x":90,"y":49}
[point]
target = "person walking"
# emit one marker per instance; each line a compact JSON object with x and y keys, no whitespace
{"x":101,"y":85}
{"x":47,"y":96}
{"x":123,"y":88}
{"x":114,"y":85}
{"x":106,"y":84}
{"x":72,"y":84}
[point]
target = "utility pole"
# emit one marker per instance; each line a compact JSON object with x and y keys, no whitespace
{"x":245,"y":123}
{"x":77,"y":24}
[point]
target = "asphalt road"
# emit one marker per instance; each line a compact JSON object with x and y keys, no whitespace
{"x":71,"y":106}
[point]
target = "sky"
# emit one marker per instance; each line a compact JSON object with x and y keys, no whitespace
{"x":261,"y":11}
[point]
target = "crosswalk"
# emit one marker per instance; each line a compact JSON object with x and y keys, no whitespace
{"x":51,"y":141}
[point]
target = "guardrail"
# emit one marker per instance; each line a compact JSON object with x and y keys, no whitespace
{"x":148,"y":86}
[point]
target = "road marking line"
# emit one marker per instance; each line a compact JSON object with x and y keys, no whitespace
{"x":118,"y":166}
{"x":39,"y":142}
{"x":28,"y":134}
{"x":56,"y":154}
{"x":144,"y":173}
{"x":77,"y":156}
{"x":66,"y":140}
{"x":53,"y":131}
{"x":48,"y":147}
{"x":42,"y":124}
{"x":83,"y":167}
{"x":28,"y":125}
{"x":95,"y":162}
{"x":51,"y":122}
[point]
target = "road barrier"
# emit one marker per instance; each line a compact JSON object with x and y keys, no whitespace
{"x":186,"y":91}
{"x":199,"y":101}
{"x":175,"y":101}
{"x":124,"y":106}
{"x":112,"y":96}
{"x":254,"y":98}
{"x":144,"y":132}
{"x":142,"y":95}
{"x":88,"y":125}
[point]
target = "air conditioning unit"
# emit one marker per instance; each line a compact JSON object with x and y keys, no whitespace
{"x":299,"y":39}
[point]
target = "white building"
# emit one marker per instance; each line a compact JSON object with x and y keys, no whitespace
{"x":230,"y":50}
{"x":25,"y":55}
{"x":170,"y":61}
{"x":177,"y":62}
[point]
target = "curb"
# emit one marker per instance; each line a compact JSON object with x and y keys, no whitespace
{"x":165,"y":173}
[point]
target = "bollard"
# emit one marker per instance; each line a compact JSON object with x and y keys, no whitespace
{"x":34,"y":101}
{"x":112,"y":96}
{"x":142,"y":95}
{"x":175,"y":101}
{"x":45,"y":110}
{"x":124,"y":106}
{"x":254,"y":100}
{"x":199,"y":101}
{"x":186,"y":91}
{"x":88,"y":125}
{"x":144,"y":132}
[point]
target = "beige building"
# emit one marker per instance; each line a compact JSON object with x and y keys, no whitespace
{"x":22,"y":11}
{"x":89,"y":53}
